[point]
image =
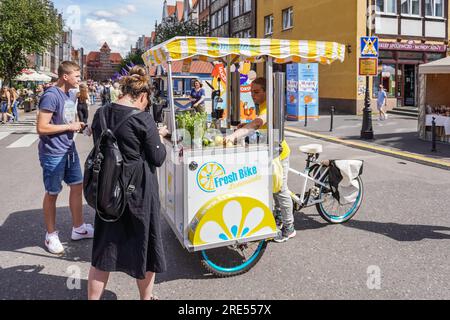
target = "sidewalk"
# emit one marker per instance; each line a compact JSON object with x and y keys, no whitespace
{"x":396,"y":136}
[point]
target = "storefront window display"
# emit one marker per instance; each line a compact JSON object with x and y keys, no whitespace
{"x":386,"y":77}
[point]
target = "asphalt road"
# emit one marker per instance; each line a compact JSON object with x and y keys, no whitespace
{"x":401,"y":233}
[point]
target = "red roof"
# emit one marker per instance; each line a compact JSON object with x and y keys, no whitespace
{"x":93,"y":56}
{"x":201,"y":67}
{"x":115,"y":58}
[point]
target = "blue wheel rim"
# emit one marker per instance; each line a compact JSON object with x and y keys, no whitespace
{"x":237,"y":268}
{"x":343,"y":217}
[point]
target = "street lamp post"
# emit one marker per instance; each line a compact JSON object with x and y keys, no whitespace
{"x":367,"y":130}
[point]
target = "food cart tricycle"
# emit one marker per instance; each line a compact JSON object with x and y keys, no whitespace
{"x":217,"y":198}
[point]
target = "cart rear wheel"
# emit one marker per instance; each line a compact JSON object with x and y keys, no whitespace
{"x":233,"y":260}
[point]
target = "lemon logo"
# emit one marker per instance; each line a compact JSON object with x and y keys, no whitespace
{"x":231,"y":217}
{"x":207,"y":174}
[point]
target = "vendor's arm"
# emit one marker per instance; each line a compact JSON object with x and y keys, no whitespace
{"x":246,"y":130}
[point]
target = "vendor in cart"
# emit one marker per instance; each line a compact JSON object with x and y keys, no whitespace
{"x":284,"y":215}
{"x":198,"y":97}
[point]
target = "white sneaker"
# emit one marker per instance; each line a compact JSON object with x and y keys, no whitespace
{"x":86,"y":231}
{"x":53,"y":244}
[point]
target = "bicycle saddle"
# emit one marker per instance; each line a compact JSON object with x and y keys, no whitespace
{"x":311,"y":149}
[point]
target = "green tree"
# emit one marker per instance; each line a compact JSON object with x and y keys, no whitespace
{"x":174,"y":28}
{"x":131,"y":59}
{"x":26,"y":27}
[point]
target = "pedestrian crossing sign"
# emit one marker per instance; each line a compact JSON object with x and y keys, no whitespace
{"x":369,"y":47}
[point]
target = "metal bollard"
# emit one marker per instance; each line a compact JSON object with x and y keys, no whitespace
{"x":306,"y":115}
{"x":433,"y":135}
{"x":332,"y":118}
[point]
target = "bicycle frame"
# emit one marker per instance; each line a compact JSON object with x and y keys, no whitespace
{"x":302,"y":200}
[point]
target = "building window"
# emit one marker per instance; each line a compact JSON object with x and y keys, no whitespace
{"x":288,"y":21}
{"x":236,"y":11}
{"x":247,"y":5}
{"x":214,"y":21}
{"x":225,"y":14}
{"x":434,"y":8}
{"x":410,"y":7}
{"x":219,"y":18}
{"x":268,"y":25}
{"x":387,"y":6}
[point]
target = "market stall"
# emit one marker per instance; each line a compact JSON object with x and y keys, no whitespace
{"x":216,"y":196}
{"x":434,"y":99}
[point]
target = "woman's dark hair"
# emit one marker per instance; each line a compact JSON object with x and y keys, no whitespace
{"x":136,"y":82}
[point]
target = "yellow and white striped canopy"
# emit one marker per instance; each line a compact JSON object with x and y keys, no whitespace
{"x":210,"y":49}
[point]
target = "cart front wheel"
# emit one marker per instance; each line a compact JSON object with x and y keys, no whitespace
{"x":233,"y":260}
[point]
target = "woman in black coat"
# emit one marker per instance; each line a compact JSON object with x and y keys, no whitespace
{"x":132,"y":244}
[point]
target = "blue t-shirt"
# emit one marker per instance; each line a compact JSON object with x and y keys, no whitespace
{"x":382,"y":95}
{"x":197,"y":95}
{"x":64,"y":110}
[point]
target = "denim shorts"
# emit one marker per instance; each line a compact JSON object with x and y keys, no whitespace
{"x":57,"y":169}
{"x":4,"y":107}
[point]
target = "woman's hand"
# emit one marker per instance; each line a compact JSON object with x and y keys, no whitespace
{"x":163,"y":131}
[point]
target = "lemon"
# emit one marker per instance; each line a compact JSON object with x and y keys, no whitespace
{"x":218,"y":140}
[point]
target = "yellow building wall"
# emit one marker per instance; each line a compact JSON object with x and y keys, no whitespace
{"x":323,"y":20}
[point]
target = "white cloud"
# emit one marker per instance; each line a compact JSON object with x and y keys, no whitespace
{"x":128,"y":9}
{"x":96,"y":32}
{"x":103,"y":14}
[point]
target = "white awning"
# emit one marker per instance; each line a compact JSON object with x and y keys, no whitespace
{"x":441,"y":66}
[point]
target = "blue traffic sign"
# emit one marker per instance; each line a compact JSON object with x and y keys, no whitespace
{"x":369,"y":47}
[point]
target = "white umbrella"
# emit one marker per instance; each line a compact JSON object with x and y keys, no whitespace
{"x":32,"y":75}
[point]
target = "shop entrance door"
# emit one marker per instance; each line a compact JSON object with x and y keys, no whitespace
{"x":410,"y":85}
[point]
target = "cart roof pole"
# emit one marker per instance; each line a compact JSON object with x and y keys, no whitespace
{"x":269,"y":104}
{"x":172,"y":103}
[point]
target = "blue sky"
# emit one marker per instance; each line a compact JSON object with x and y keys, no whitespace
{"x":119,"y":23}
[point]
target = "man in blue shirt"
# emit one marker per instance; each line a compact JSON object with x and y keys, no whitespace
{"x":382,"y":102}
{"x":58,"y":155}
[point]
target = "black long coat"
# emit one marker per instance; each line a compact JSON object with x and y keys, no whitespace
{"x":133,"y":244}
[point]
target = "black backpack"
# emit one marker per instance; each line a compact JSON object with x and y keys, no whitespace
{"x":108,"y":183}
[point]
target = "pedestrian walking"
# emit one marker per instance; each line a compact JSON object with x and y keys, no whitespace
{"x":5,"y":104}
{"x":82,"y":105}
{"x":15,"y":103}
{"x":58,"y":155}
{"x":133,"y":244}
{"x":106,"y":93}
{"x":92,"y":93}
{"x":382,"y":102}
{"x":284,"y":210}
{"x":115,"y":92}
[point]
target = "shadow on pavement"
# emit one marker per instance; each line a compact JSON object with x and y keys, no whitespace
{"x":25,"y":229}
{"x":30,"y":283}
{"x":181,"y":264}
{"x":401,"y":232}
{"x":398,"y":232}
